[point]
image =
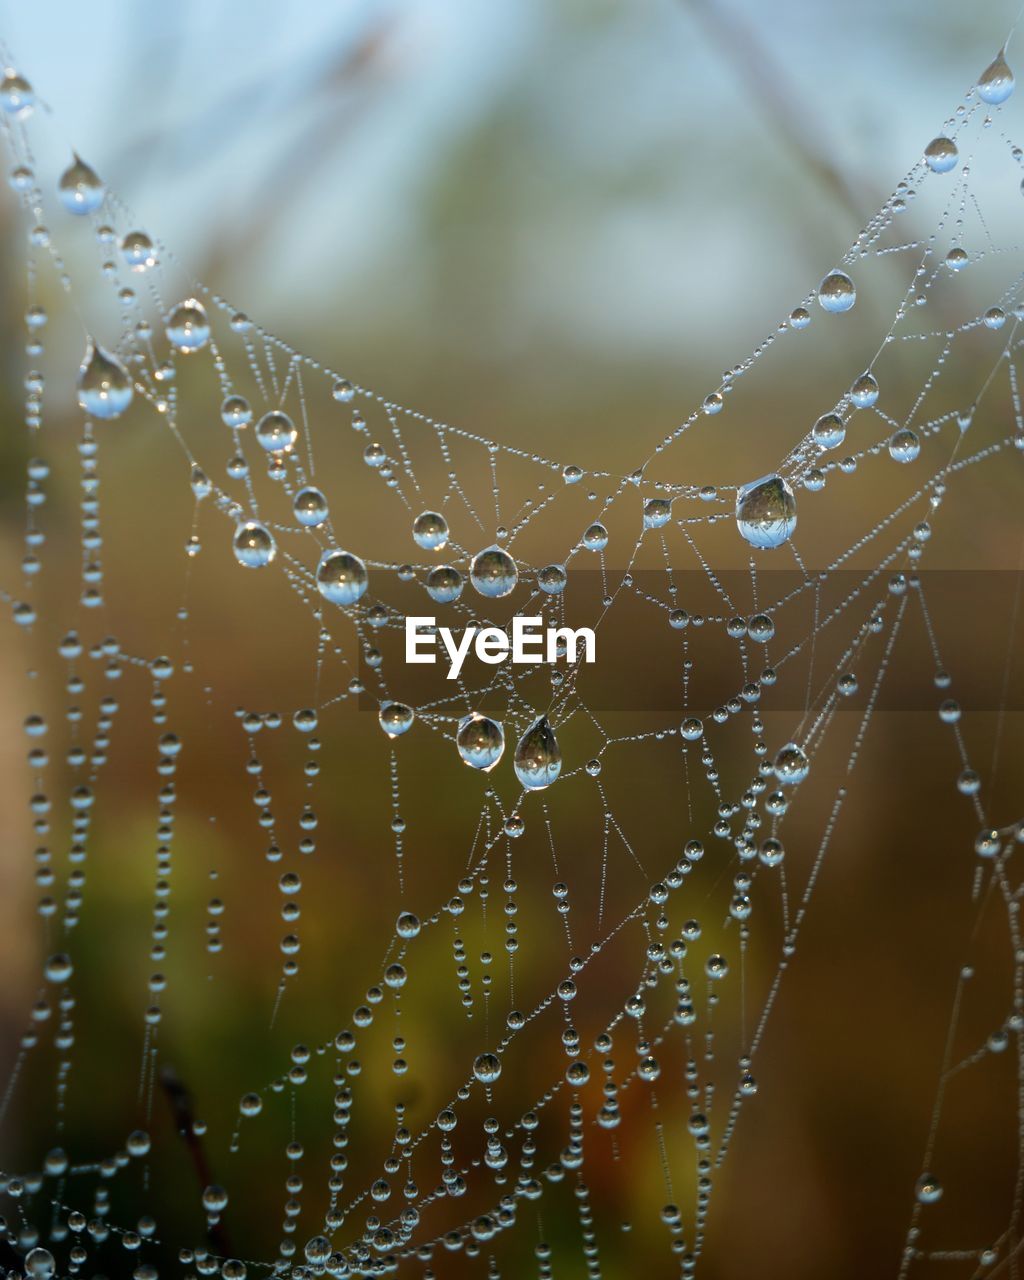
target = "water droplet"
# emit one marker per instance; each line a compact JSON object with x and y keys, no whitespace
{"x":188,"y":329}
{"x":766,"y":512}
{"x":928,"y":1189}
{"x":595,"y":537}
{"x":996,"y":82}
{"x":538,"y":759}
{"x":957,"y":259}
{"x":480,"y":741}
{"x":829,"y":431}
{"x":657,"y":512}
{"x":276,"y":432}
{"x":487,"y":1068}
{"x":341,"y":577}
{"x":395,"y":718}
{"x":40,"y":1264}
{"x":310,"y":507}
{"x":254,"y":545}
{"x":836,"y":292}
{"x":716,"y":967}
{"x":864,"y":391}
{"x":137,"y":250}
{"x":791,"y":765}
{"x":58,"y":968}
{"x":235,"y":411}
{"x":493,"y":573}
{"x":80,"y":188}
{"x":17,"y":96}
{"x":552,"y":579}
{"x":904,"y":445}
{"x":104,"y":387}
{"x":430,"y":530}
{"x":941,"y":155}
{"x":444,"y":584}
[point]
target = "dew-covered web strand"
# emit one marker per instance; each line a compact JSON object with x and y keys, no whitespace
{"x":334,"y":589}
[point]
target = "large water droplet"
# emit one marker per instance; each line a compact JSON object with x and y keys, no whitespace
{"x":80,"y":188}
{"x":188,"y":329}
{"x":904,"y":446}
{"x":493,"y":572}
{"x":276,"y":432}
{"x":836,"y":292}
{"x":40,"y":1264}
{"x":104,"y":387}
{"x":444,"y":584}
{"x":137,"y":250}
{"x":341,"y":577}
{"x":996,"y":82}
{"x":310,"y":507}
{"x":254,"y":545}
{"x":481,"y":741}
{"x":395,"y":718}
{"x":829,"y":431}
{"x":430,"y":530}
{"x":487,"y":1068}
{"x":864,"y":391}
{"x":538,"y":758}
{"x":941,"y":155}
{"x":766,"y":512}
{"x":791,"y":764}
{"x":17,"y":96}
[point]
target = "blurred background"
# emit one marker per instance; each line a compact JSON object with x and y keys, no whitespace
{"x":554,"y":223}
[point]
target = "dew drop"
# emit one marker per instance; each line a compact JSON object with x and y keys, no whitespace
{"x":836,"y":292}
{"x":276,"y":432}
{"x":17,"y":96}
{"x":310,"y":507}
{"x":430,"y":530}
{"x":104,"y":387}
{"x":538,"y":758}
{"x":80,"y":188}
{"x":487,"y":1068}
{"x":480,"y":741}
{"x":791,"y":765}
{"x":395,"y":718}
{"x":928,"y":1189}
{"x":444,"y":584}
{"x":904,"y":445}
{"x":864,"y":391}
{"x":996,"y":82}
{"x":254,"y":545}
{"x":137,"y":251}
{"x":187,"y":328}
{"x":941,"y":155}
{"x":493,"y":573}
{"x":766,"y":512}
{"x":341,"y":577}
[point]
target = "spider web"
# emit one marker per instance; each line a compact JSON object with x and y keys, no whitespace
{"x":474,"y":1004}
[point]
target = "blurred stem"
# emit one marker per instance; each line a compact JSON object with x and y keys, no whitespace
{"x":768,"y":85}
{"x":184,"y":1119}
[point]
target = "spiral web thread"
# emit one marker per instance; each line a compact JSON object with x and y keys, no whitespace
{"x":669,"y":1039}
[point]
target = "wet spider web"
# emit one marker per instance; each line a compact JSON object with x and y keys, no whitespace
{"x":523,"y":927}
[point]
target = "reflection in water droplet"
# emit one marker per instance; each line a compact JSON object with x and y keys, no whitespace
{"x":310,"y":507}
{"x":254,"y":545}
{"x":341,"y":577}
{"x":493,"y":573}
{"x":480,"y":741}
{"x":276,"y":432}
{"x":791,"y":764}
{"x":395,"y":718}
{"x":17,"y":97}
{"x":766,"y":512}
{"x":904,"y":445}
{"x":137,"y":251}
{"x":430,"y":530}
{"x":836,"y":292}
{"x":538,"y":758}
{"x":187,"y":326}
{"x":80,"y":188}
{"x":941,"y":155}
{"x":864,"y":391}
{"x":104,"y":387}
{"x":996,"y":82}
{"x":444,"y":584}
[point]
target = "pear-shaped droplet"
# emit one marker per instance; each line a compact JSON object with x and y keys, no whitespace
{"x":188,"y":328}
{"x":829,"y":431}
{"x":766,"y":512}
{"x":104,"y":387}
{"x":493,"y":572}
{"x":904,"y":446}
{"x":836,"y":292}
{"x":254,"y":545}
{"x":538,"y":758}
{"x":341,"y":577}
{"x":481,"y":741}
{"x":996,"y":82}
{"x":80,"y":188}
{"x":430,"y":530}
{"x":864,"y":391}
